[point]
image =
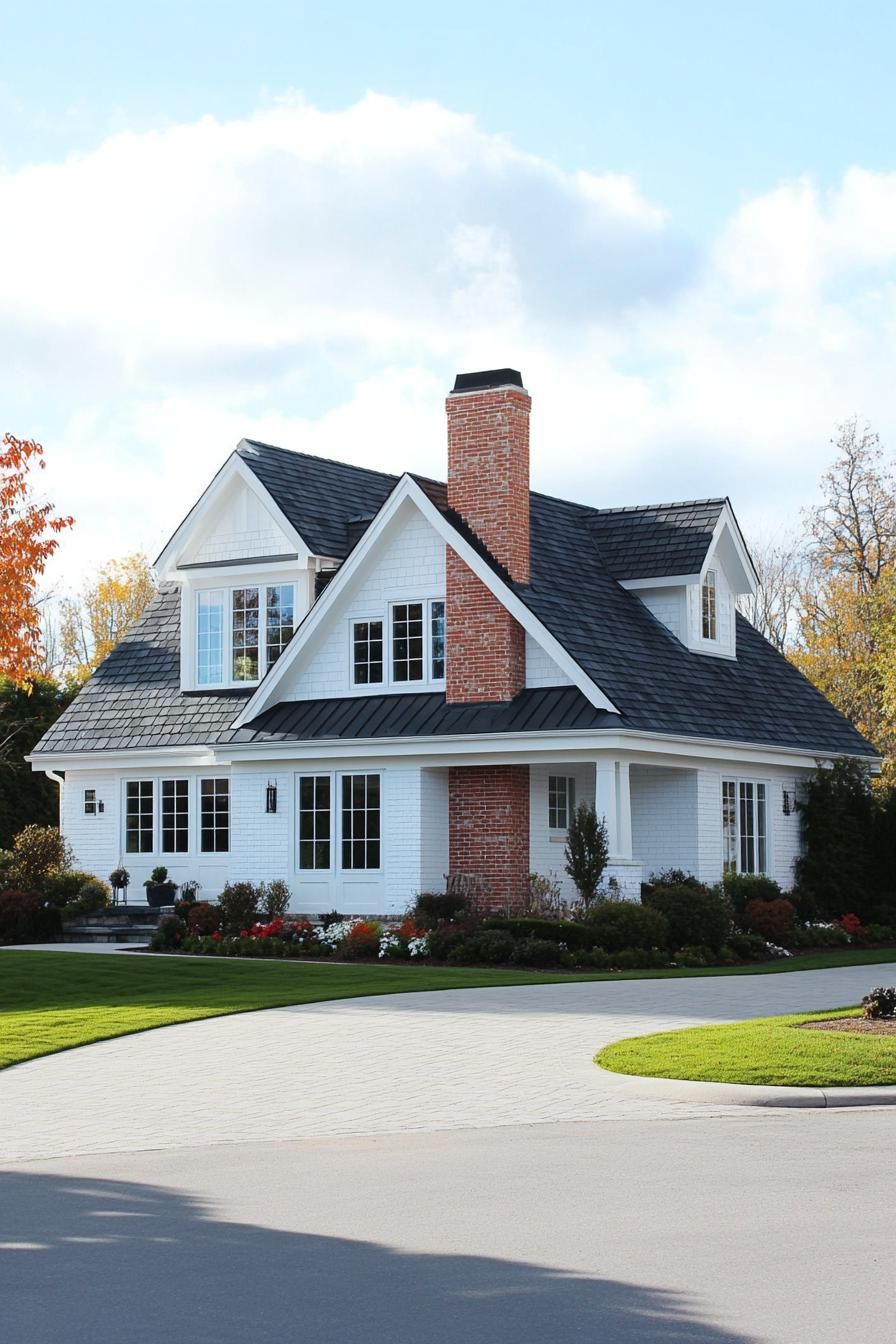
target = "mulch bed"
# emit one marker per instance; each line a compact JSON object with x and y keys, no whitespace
{"x":872,"y":1026}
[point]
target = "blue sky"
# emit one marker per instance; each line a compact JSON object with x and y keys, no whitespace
{"x":675,"y":218}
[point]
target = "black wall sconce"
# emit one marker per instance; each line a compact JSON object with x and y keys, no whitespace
{"x":787,"y":804}
{"x":270,"y":797}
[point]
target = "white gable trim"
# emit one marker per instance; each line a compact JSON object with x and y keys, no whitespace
{"x":407,"y":489}
{"x":233,"y":469}
{"x":748,"y":580}
{"x":661,"y":581}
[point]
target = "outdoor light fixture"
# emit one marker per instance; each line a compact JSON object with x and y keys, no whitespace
{"x":270,"y":801}
{"x":787,"y":805}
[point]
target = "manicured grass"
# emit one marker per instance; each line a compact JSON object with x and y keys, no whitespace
{"x":52,"y":1001}
{"x":767,"y":1050}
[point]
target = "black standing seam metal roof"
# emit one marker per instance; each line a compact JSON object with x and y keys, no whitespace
{"x":578,"y":556}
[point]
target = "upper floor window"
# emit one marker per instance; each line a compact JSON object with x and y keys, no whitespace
{"x":410,"y":649}
{"x":242,"y":632}
{"x":708,"y":594}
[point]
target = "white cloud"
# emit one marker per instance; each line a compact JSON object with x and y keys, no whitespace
{"x":316,"y":278}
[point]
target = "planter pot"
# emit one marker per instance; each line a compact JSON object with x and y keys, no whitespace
{"x":160,"y":893}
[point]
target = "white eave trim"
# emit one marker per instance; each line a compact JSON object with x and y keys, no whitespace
{"x":662,"y":581}
{"x":233,"y":468}
{"x":408,"y":489}
{"x":728,"y":523}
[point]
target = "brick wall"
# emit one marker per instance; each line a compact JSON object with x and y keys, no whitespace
{"x":488,"y":485}
{"x":488,"y":827}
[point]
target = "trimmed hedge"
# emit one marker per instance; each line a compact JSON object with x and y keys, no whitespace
{"x":625,"y":926}
{"x":577,"y":937}
{"x":696,"y":916}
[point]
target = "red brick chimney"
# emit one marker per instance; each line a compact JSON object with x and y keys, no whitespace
{"x":488,"y":485}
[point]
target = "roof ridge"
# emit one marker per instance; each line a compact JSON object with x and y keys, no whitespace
{"x":670,"y":504}
{"x":316,"y":457}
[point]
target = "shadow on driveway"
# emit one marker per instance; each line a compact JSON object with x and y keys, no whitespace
{"x":123,"y":1263}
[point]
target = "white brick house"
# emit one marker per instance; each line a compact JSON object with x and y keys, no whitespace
{"x":361,"y":682}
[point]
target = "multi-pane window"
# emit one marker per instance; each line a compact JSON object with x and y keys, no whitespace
{"x":210,"y":638}
{"x":280,"y":622}
{"x":214,"y":816}
{"x":729,"y":826}
{"x":437,"y":640}
{"x":138,"y":827}
{"x":744,"y":826}
{"x":242,"y":632}
{"x":708,"y":592}
{"x":407,"y":641}
{"x":175,"y":816}
{"x":314,"y":821}
{"x":244,"y":640}
{"x":561,"y":801}
{"x":90,"y":808}
{"x":360,"y":821}
{"x":367,"y":653}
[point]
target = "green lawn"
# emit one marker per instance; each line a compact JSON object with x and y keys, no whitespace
{"x":52,"y":1001}
{"x":768,"y":1050}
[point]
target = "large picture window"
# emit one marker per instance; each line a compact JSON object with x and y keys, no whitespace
{"x":314,"y":821}
{"x":138,"y":829}
{"x":744,"y":826}
{"x":175,"y":816}
{"x":241,"y":632}
{"x":360,"y":821}
{"x":214,"y":816}
{"x":367,"y":653}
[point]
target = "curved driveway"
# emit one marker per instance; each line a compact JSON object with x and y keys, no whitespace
{"x":454,"y":1059}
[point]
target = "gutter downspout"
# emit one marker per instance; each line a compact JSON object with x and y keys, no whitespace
{"x":60,"y":780}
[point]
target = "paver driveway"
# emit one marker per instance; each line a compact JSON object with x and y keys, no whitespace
{"x":431,"y":1061}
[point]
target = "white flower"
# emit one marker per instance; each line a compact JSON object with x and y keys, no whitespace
{"x":336,"y":933}
{"x":419,"y":947}
{"x":389,"y":943}
{"x":777,"y":951}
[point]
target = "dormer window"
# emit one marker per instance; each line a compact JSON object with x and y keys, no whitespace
{"x":241,"y":632}
{"x":408,"y":648}
{"x":708,"y":597}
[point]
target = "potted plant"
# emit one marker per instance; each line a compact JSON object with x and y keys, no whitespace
{"x":187,"y":897}
{"x":159,"y":888}
{"x":119,"y":880}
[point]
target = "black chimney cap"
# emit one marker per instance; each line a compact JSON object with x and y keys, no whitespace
{"x":479,"y":382}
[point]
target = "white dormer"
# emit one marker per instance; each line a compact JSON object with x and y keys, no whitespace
{"x":246,"y":578}
{"x":700,"y":609}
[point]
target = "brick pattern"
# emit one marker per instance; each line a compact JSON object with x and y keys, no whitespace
{"x":486,"y":647}
{"x":488,"y":828}
{"x":488,"y":485}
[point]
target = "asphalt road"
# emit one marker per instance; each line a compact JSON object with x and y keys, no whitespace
{"x":774,"y":1228}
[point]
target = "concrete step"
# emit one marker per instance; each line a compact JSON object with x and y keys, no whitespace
{"x":124,"y":933}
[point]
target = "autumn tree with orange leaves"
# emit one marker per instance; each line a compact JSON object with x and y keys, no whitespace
{"x":28,"y":537}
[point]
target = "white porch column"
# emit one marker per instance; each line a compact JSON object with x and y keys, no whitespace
{"x":613,"y":802}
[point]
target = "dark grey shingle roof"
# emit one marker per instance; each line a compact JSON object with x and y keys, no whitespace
{"x":657,"y":540}
{"x":134,"y":698}
{"x":578,"y":553}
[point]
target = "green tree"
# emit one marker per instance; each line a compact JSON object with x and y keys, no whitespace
{"x":587,"y":850}
{"x":27,"y":797}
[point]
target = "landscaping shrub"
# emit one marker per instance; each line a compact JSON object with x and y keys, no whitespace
{"x":204,"y":919}
{"x":169,"y":935}
{"x":625,"y":924}
{"x":329,"y":917}
{"x":93,"y":896}
{"x":566,"y":931}
{"x":436,"y":907}
{"x":741,"y":888}
{"x":696,"y":956}
{"x":443,"y":939}
{"x":748,"y":946}
{"x":696,"y":916}
{"x":590,"y":959}
{"x":881,"y":1002}
{"x":819,"y":935}
{"x":239,"y":906}
{"x":543,"y":896}
{"x":39,"y":851}
{"x":537,"y":952}
{"x":65,"y":885}
{"x":880,"y":933}
{"x":639,"y":959}
{"x":837,"y":822}
{"x":25,"y":917}
{"x":274,"y":898}
{"x":490,"y":946}
{"x":772,"y":920}
{"x":670,"y":877}
{"x":363,"y":939}
{"x":587,"y":850}
{"x":7,"y":869}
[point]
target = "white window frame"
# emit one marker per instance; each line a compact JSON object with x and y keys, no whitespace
{"x":383,"y":623}
{"x":389,"y":683}
{"x":336,"y":870}
{"x":709,"y":589}
{"x":194,"y":851}
{"x":91,"y":803}
{"x":207,"y":853}
{"x":262,"y":586}
{"x":569,"y":802}
{"x":755,"y":783}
